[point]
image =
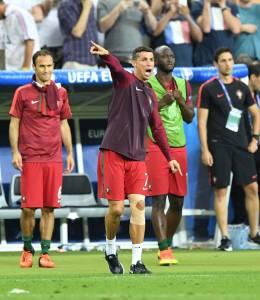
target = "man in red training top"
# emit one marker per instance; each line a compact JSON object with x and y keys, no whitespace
{"x":38,"y":126}
{"x":121,"y":166}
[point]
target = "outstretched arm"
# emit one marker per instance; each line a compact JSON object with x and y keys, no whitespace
{"x":119,"y":74}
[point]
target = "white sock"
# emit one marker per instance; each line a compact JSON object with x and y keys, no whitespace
{"x":136,"y":253}
{"x":110,"y":246}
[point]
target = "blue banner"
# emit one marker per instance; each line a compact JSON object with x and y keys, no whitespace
{"x":102,"y":76}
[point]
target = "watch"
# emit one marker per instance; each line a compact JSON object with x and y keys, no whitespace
{"x":255,"y":136}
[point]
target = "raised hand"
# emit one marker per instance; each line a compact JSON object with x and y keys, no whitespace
{"x":96,"y":49}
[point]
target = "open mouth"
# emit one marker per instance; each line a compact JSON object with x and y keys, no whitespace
{"x":148,"y":72}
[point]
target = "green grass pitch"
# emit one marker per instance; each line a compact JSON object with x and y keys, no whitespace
{"x":201,"y":274}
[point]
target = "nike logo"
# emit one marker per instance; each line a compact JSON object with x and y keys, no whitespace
{"x":139,"y":90}
{"x":36,"y":101}
{"x":220,"y":95}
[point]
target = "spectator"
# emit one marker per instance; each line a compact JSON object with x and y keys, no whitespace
{"x":121,"y":20}
{"x":248,"y":42}
{"x":46,"y":17}
{"x":218,"y":22}
{"x":179,"y":30}
{"x":49,"y":29}
{"x":21,"y":37}
{"x":78,"y":25}
{"x":2,"y":52}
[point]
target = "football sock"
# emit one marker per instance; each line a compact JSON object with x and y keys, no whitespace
{"x":169,"y":242}
{"x":110,"y":246}
{"x":27,"y":243}
{"x":163,"y":245}
{"x":45,"y":245}
{"x":136,"y":253}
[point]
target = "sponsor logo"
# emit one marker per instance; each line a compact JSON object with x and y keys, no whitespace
{"x":35,"y":101}
{"x":138,"y":90}
{"x":239,"y":94}
{"x":220,"y":95}
{"x":146,"y":187}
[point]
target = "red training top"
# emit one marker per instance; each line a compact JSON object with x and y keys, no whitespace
{"x":133,"y":106}
{"x":39,"y":134}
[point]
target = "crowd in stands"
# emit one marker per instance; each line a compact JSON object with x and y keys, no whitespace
{"x":193,"y":29}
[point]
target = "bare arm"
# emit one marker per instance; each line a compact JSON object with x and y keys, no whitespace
{"x":206,"y":156}
{"x":187,"y":111}
{"x":204,"y":21}
{"x":109,"y":20}
{"x":232,"y":22}
{"x":195,"y":31}
{"x":13,"y":139}
{"x":254,"y":111}
{"x":67,"y":141}
{"x":81,"y":25}
{"x":156,"y":6}
{"x":28,"y":51}
{"x":248,"y":28}
{"x":149,"y":18}
{"x":41,"y":10}
{"x":162,"y":23}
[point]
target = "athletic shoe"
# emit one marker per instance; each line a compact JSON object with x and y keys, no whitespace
{"x":255,"y":239}
{"x":139,"y":268}
{"x":45,"y":261}
{"x":225,"y":244}
{"x":166,"y":257}
{"x":114,"y":264}
{"x":26,"y":260}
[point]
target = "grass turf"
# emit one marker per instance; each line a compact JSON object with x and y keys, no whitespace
{"x":201,"y":274}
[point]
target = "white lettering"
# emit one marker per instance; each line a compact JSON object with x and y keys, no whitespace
{"x":105,"y":76}
{"x":96,"y":133}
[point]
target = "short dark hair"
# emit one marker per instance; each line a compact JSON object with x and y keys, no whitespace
{"x":43,"y":52}
{"x":139,"y":50}
{"x":254,"y":69}
{"x":221,"y":50}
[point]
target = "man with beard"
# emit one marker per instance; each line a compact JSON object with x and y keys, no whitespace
{"x":175,"y":106}
{"x":225,"y":146}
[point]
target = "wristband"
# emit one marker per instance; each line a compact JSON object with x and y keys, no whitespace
{"x":223,"y":9}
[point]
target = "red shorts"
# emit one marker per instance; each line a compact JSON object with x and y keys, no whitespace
{"x":161,"y":179}
{"x":118,"y":177}
{"x":41,"y":185}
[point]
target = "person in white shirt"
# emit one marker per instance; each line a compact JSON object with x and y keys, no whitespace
{"x":21,"y":39}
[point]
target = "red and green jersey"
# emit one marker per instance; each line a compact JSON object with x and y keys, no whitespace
{"x":171,"y":114}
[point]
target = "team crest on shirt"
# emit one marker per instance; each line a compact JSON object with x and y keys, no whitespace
{"x":239,"y":94}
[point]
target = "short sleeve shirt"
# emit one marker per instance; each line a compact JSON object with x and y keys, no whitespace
{"x":39,"y":135}
{"x":212,"y":97}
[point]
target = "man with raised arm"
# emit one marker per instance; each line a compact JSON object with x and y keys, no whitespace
{"x":121,"y":165}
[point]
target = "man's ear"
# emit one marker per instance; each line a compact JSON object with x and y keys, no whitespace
{"x":133,"y":62}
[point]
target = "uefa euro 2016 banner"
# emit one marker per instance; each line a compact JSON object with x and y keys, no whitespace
{"x":102,"y":76}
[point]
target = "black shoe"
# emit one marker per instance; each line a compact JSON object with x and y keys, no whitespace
{"x":139,"y":268}
{"x":255,"y":239}
{"x":225,"y":244}
{"x":114,"y":265}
